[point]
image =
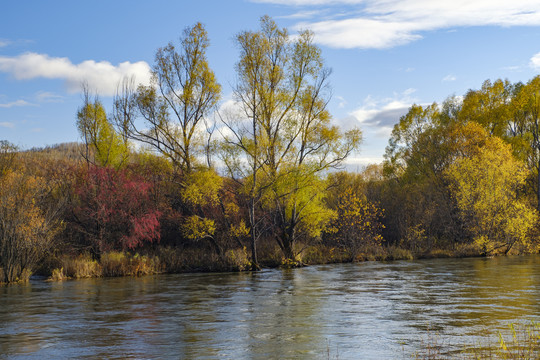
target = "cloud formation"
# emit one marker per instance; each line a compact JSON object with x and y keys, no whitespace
{"x":16,"y":103}
{"x":102,"y":76}
{"x":387,"y":23}
{"x":383,"y":114}
{"x":535,"y":61}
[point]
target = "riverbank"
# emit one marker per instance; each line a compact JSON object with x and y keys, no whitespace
{"x":171,"y":260}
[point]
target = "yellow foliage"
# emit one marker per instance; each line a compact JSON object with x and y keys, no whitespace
{"x":202,"y":187}
{"x":196,"y":227}
{"x":25,"y":230}
{"x":357,"y":225}
{"x":239,"y":231}
{"x":486,"y":187}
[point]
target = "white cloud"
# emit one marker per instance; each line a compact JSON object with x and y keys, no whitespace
{"x":8,"y":125}
{"x":4,"y":42}
{"x":16,"y":103}
{"x":102,"y":76}
{"x":382,"y":114}
{"x":448,"y":78}
{"x":48,"y":97}
{"x":388,"y":23}
{"x":535,"y":62}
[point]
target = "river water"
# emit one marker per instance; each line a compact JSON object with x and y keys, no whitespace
{"x":371,"y":310}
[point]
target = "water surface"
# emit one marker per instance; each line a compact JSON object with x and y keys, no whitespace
{"x":371,"y":310}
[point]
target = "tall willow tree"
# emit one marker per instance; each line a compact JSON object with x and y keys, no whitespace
{"x":173,"y":110}
{"x":283,"y":134}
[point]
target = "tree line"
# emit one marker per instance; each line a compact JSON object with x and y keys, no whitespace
{"x":167,"y":174}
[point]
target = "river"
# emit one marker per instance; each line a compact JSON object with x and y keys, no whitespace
{"x":371,"y":310}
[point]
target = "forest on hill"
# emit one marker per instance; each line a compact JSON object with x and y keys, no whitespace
{"x":156,"y":186}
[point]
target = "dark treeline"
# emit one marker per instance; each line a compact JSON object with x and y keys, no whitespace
{"x":167,"y":182}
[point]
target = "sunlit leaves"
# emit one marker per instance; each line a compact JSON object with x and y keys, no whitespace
{"x":202,"y":188}
{"x":283,"y":133}
{"x":197,"y":228}
{"x":96,"y":130}
{"x":486,"y":187}
{"x":183,"y":92}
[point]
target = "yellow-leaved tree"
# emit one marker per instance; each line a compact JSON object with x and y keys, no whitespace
{"x":281,"y":142}
{"x":486,"y":188}
{"x":26,"y":228}
{"x":104,"y":146}
{"x":357,"y":227}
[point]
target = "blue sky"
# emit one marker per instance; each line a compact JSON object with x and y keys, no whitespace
{"x":385,"y":54}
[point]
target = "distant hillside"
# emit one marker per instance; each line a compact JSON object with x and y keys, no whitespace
{"x":72,"y":151}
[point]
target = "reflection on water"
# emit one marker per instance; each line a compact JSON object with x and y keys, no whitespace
{"x":371,"y":310}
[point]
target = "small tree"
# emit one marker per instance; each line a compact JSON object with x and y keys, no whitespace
{"x":26,"y":229}
{"x":357,"y":227}
{"x":114,"y":211}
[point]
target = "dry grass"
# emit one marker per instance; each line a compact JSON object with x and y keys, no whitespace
{"x":111,"y":264}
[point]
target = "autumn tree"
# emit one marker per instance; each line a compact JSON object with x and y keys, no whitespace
{"x":182,"y":93}
{"x":283,"y":133}
{"x":425,"y":142}
{"x":170,"y":116}
{"x":104,"y":146}
{"x":27,"y":225}
{"x":113,"y":210}
{"x":357,"y":227}
{"x":489,"y":107}
{"x":486,"y":187}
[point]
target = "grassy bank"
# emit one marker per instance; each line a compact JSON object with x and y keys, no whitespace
{"x":178,"y":260}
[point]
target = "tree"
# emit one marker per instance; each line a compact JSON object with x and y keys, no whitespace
{"x":114,"y":210}
{"x":27,"y":227}
{"x":424,"y":143}
{"x":486,"y":187}
{"x":357,"y":226}
{"x":183,"y":92}
{"x":283,"y":133}
{"x":174,"y":109}
{"x":489,"y":107}
{"x":104,"y":146}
